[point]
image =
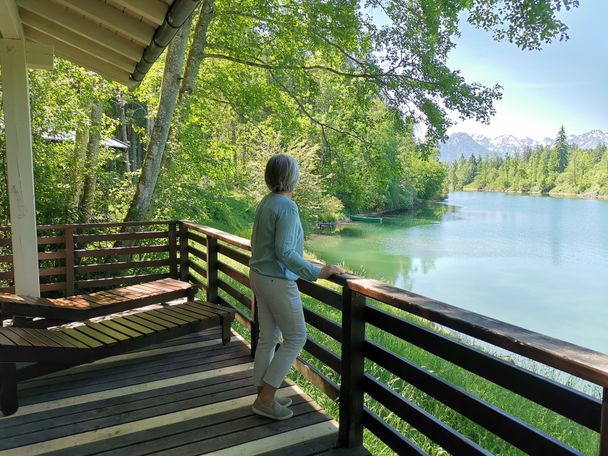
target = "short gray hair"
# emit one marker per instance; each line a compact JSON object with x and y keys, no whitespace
{"x":282,"y":173}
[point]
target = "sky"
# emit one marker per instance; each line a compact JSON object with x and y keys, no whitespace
{"x":566,"y":83}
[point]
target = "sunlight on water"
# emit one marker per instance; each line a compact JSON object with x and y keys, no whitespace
{"x":536,"y":262}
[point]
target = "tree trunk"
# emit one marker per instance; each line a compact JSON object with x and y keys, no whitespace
{"x":174,"y":63}
{"x":193,"y":63}
{"x":123,"y":132}
{"x":90,"y":177}
{"x":80,"y":153}
{"x":197,"y":50}
{"x":133,"y":148}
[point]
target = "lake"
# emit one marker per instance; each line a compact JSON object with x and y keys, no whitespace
{"x":533,"y":261}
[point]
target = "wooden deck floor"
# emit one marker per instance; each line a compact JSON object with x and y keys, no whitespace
{"x":185,"y":397}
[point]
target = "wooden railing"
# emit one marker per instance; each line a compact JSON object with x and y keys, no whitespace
{"x":81,"y":257}
{"x":214,"y":251}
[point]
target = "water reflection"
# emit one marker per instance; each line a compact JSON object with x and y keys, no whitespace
{"x":557,"y":224}
{"x":536,"y":262}
{"x":374,"y":251}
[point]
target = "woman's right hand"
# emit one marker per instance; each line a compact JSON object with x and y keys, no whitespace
{"x":330,"y":269}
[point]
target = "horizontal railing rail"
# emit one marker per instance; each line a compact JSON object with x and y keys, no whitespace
{"x":357,"y":352}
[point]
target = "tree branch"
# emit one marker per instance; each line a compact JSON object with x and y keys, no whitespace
{"x":267,"y":66}
{"x":317,"y":34}
{"x":310,"y":116}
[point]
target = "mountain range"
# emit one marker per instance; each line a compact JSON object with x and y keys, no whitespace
{"x":464,"y":144}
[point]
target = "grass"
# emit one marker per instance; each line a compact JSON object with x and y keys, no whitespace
{"x":553,"y":424}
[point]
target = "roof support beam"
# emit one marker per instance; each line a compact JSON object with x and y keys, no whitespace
{"x":37,"y":28}
{"x":20,"y":166}
{"x":152,"y":10}
{"x":113,"y":18}
{"x":63,"y":17}
{"x":39,"y":56}
{"x":10,"y":25}
{"x":80,"y":57}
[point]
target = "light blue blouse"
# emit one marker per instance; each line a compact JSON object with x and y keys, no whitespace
{"x":277,"y":241}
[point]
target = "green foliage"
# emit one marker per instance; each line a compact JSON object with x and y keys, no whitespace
{"x":323,"y":79}
{"x":426,"y":177}
{"x":313,"y":200}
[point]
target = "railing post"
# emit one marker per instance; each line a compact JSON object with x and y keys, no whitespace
{"x":70,"y":270}
{"x":173,"y":249}
{"x":351,"y":389}
{"x":183,"y":252}
{"x":604,"y":424}
{"x":212,"y":269}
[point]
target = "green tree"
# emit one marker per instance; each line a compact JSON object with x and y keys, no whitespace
{"x":561,"y":149}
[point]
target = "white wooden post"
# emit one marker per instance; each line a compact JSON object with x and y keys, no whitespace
{"x":20,"y":165}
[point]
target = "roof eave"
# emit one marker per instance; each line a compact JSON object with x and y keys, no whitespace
{"x":176,"y":17}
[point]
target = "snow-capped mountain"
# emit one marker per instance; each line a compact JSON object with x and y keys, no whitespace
{"x":589,"y":140}
{"x":507,"y":144}
{"x":461,"y":144}
{"x":464,"y":144}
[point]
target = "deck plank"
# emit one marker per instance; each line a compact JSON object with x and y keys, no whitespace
{"x":90,"y":385}
{"x":303,"y":447}
{"x":188,"y":396}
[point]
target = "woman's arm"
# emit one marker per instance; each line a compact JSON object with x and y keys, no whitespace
{"x":285,"y":243}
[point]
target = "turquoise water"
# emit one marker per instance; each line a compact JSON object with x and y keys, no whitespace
{"x":536,"y":262}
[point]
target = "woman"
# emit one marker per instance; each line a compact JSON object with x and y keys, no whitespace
{"x":277,"y":261}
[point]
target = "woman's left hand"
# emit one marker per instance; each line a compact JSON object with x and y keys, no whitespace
{"x":330,"y":269}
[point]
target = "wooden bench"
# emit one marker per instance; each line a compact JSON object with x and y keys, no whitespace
{"x":85,"y":306}
{"x":50,"y":350}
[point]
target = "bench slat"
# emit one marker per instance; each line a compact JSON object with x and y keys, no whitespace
{"x":198,"y":313}
{"x":78,"y":302}
{"x":97,"y":335}
{"x":111,"y":331}
{"x":137,"y":319}
{"x":213,"y":309}
{"x":82,"y":338}
{"x":100,"y":327}
{"x":91,"y":300}
{"x":5,"y":341}
{"x":53,"y":341}
{"x":161,"y":313}
{"x":146,"y":287}
{"x":127,"y":293}
{"x":117,"y":327}
{"x":195,"y":313}
{"x":66,"y":340}
{"x":38,"y":337}
{"x":102,"y":298}
{"x":143,"y":290}
{"x":185,"y":314}
{"x":16,"y":338}
{"x":135,"y":326}
{"x":157,"y":320}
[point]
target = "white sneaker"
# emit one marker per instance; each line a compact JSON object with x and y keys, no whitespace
{"x":284,"y":401}
{"x":276,"y":411}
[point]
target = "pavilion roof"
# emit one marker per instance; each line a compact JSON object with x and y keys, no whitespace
{"x":118,"y":39}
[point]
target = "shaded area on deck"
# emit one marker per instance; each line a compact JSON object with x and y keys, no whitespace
{"x":187,"y":396}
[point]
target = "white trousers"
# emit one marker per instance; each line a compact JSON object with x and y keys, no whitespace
{"x":279,"y":312}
